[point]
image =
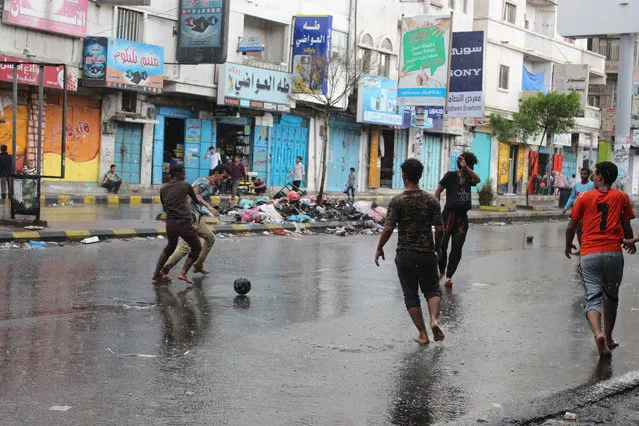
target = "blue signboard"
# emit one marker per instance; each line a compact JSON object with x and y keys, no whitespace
{"x":466,"y":96}
{"x":256,"y":88}
{"x":433,"y":118}
{"x":377,"y":102}
{"x":311,"y":50}
{"x":129,"y":65}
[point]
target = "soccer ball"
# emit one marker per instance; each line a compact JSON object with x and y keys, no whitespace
{"x":242,"y":286}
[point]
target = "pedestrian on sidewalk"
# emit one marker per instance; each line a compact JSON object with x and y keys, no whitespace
{"x":350,"y":185}
{"x":179,"y":223}
{"x":606,"y":214}
{"x":458,"y":202}
{"x":298,"y":173}
{"x":237,"y":173}
{"x":203,"y":188}
{"x":111,"y":180}
{"x":214,"y":159}
{"x":579,"y":188}
{"x":6,"y":164}
{"x":415,"y":212}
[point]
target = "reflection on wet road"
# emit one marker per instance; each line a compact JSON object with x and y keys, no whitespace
{"x":322,"y":338}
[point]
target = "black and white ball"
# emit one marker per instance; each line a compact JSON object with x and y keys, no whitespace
{"x":242,"y":286}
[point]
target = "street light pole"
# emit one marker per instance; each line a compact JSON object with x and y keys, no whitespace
{"x":621,"y":154}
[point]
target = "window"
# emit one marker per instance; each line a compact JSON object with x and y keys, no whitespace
{"x":594,"y":101}
{"x":451,"y":4}
{"x":129,"y":25}
{"x":465,"y":6}
{"x":385,"y":58}
{"x":367,"y":61}
{"x":510,"y":13}
{"x":384,"y":64}
{"x":271,"y":33}
{"x":129,"y":101}
{"x":504,"y":71}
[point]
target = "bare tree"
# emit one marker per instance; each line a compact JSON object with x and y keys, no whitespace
{"x":341,"y":74}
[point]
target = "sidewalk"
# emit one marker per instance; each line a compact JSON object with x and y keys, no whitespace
{"x":74,"y":223}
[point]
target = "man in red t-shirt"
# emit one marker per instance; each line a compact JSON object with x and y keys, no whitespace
{"x":606,"y":214}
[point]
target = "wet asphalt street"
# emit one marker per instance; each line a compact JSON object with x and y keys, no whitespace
{"x":322,"y":338}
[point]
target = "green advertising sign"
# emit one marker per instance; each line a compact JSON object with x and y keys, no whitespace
{"x":424,"y":48}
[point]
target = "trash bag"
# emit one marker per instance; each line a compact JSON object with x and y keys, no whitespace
{"x":293,"y":196}
{"x":299,"y":218}
{"x":251,"y":216}
{"x":246,"y":204}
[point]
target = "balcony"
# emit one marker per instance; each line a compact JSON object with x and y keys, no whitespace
{"x":542,"y":48}
{"x":591,"y":119}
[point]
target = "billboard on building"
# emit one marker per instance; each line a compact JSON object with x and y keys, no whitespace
{"x":123,"y":64}
{"x":67,"y":17}
{"x":466,"y":97}
{"x":609,"y":122}
{"x":124,"y":2}
{"x":30,"y":74}
{"x":568,"y":78}
{"x":311,"y":53}
{"x":255,"y":88}
{"x":424,"y":65}
{"x":203,"y":31}
{"x":377,"y":102}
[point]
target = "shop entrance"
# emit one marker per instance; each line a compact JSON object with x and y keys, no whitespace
{"x":386,"y":146}
{"x":174,"y":130}
{"x":234,"y":140}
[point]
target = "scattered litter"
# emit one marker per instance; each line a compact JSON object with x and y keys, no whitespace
{"x":479,"y":285}
{"x":33,"y":228}
{"x":90,"y":240}
{"x":37,"y":244}
{"x":496,"y":405}
{"x":135,"y":355}
{"x":189,"y":393}
{"x":570,"y":416}
{"x":282,"y":232}
{"x":161,"y":237}
{"x":60,"y":408}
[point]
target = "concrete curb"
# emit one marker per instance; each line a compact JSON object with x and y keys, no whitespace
{"x":80,"y":234}
{"x":537,"y":411}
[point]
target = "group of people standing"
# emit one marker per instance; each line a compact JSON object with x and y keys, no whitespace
{"x":238,"y":172}
{"x":600,"y":214}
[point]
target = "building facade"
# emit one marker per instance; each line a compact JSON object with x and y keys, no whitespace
{"x":176,"y":115}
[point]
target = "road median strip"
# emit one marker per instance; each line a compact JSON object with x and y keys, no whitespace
{"x":80,"y":234}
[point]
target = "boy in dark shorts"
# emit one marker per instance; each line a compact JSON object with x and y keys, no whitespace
{"x":458,"y":201}
{"x":179,"y":223}
{"x":415,"y":212}
{"x":606,"y":214}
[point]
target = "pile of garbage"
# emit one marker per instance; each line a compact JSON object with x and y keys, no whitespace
{"x":293,"y":208}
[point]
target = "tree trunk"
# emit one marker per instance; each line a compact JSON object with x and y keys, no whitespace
{"x":323,"y":163}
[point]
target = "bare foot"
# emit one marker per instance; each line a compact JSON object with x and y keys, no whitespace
{"x":185,"y":278}
{"x":422,"y":339}
{"x":448,"y":282}
{"x":162,"y":278}
{"x":200,"y":270}
{"x":602,"y":348}
{"x":438,"y":334}
{"x":611,"y":343}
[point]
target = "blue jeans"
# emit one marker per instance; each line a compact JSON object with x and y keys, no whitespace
{"x":350,"y":191}
{"x":601,"y":275}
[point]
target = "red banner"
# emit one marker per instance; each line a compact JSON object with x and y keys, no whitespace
{"x":30,"y":74}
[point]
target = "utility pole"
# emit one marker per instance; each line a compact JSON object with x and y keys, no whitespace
{"x":621,"y":153}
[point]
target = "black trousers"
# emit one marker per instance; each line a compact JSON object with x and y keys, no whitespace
{"x":455,"y":231}
{"x":112,"y":186}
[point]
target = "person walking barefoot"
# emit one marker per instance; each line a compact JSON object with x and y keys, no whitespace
{"x":415,"y":212}
{"x":606,"y":214}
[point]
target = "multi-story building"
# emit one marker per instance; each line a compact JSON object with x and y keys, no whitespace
{"x":148,"y":123}
{"x":605,"y":97}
